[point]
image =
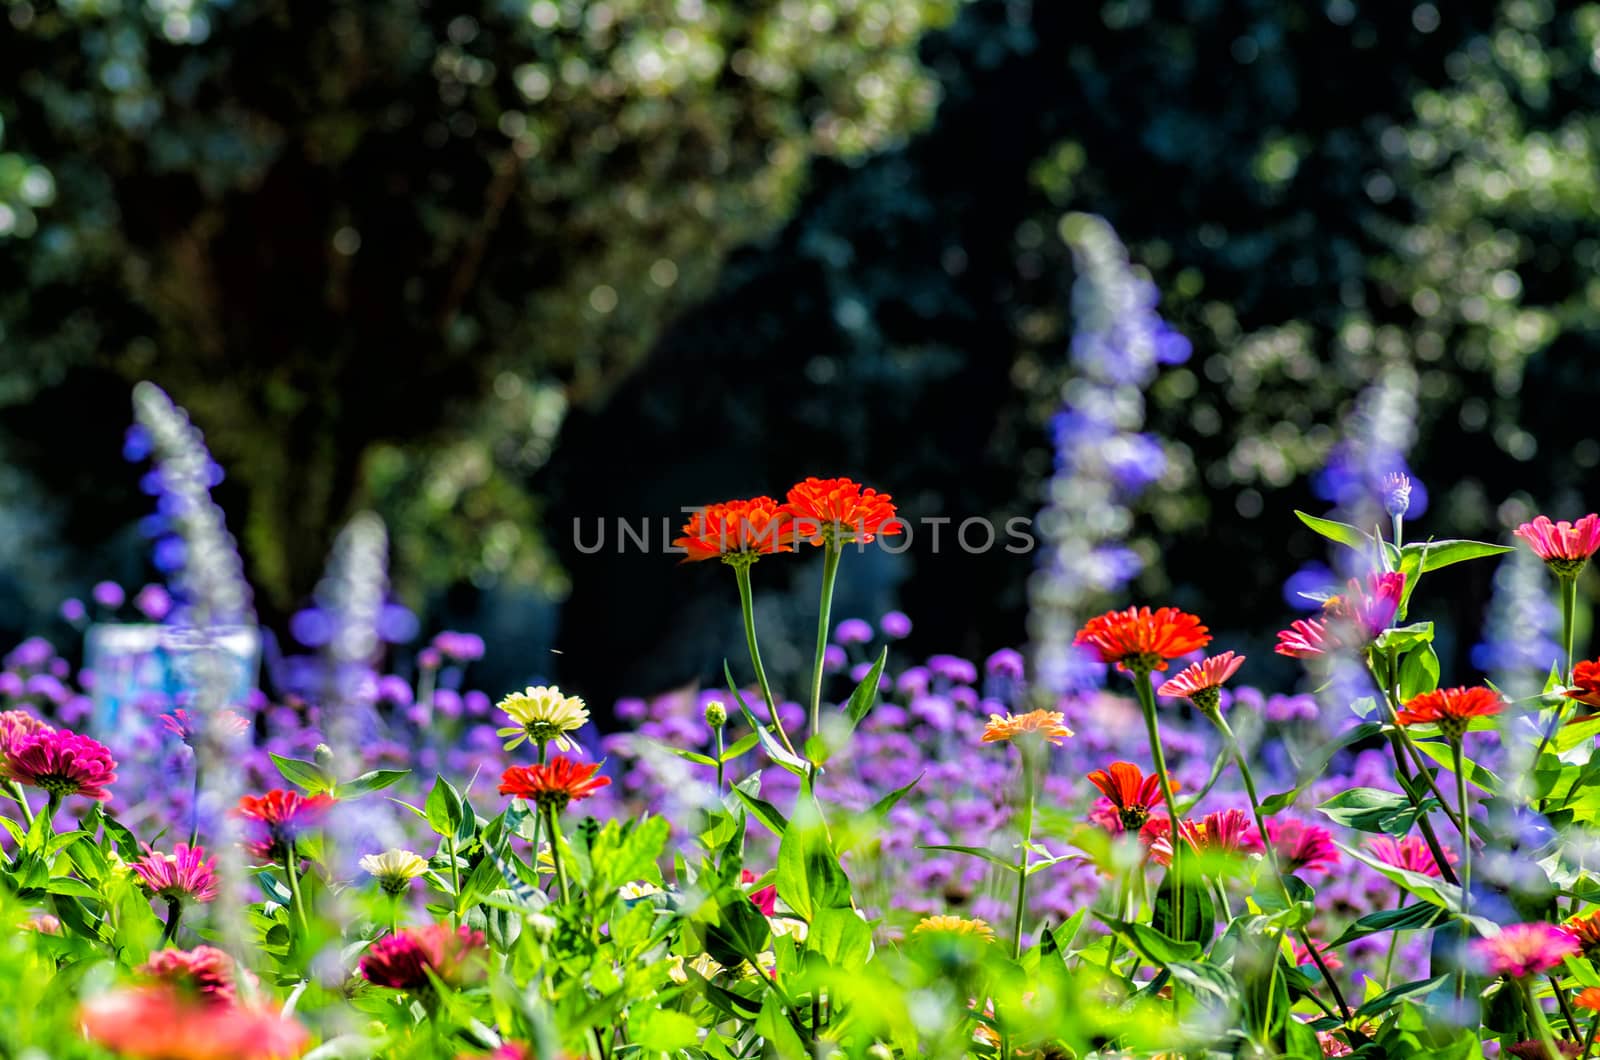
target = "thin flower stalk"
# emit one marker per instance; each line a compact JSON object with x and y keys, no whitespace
{"x":741,"y":574}
{"x":830,"y":573}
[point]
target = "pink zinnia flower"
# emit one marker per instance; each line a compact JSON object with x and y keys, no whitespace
{"x":183,"y":875}
{"x":1304,"y":639}
{"x":766,"y":899}
{"x":1301,"y":845}
{"x":15,"y":724}
{"x":1526,"y":949}
{"x":1228,"y":832}
{"x":1349,"y":621}
{"x":1372,"y":609}
{"x":186,"y":726}
{"x":62,"y":763}
{"x":280,"y":817}
{"x":1201,"y":683}
{"x":1410,"y":853}
{"x":1302,"y":955}
{"x":403,"y":961}
{"x":204,"y":972}
{"x":158,"y":1021}
{"x":1565,"y":547}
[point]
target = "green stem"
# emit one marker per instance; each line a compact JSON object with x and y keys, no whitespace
{"x":1398,"y":520}
{"x":719,"y":761}
{"x":1542,"y":1025}
{"x":1394,"y":944}
{"x":1022,"y":858}
{"x":1569,"y":607}
{"x":194,"y":802}
{"x":22,"y":801}
{"x":1466,"y":863}
{"x":1272,"y":856}
{"x":1147,"y":703}
{"x":52,"y":807}
{"x":555,"y":852}
{"x":741,"y":574}
{"x":830,"y":572}
{"x":174,"y":912}
{"x":291,"y":871}
{"x":1402,"y":764}
{"x":1566,"y":1009}
{"x":455,"y":876}
{"x":1588,"y":1041}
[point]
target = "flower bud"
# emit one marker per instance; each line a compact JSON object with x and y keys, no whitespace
{"x":1396,"y":494}
{"x":716,"y":714}
{"x":324,"y":755}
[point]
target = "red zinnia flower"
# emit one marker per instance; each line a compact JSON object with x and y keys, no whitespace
{"x":205,"y":972}
{"x":183,"y":875}
{"x":1565,"y":547}
{"x":738,"y":531}
{"x":403,"y":960}
{"x":1201,"y":682}
{"x":159,"y":1023}
{"x":1522,"y":950}
{"x":1451,"y":709}
{"x":1130,"y":793}
{"x":1410,"y":853}
{"x":1140,"y":640}
{"x":1300,"y":845}
{"x":15,"y":724}
{"x":560,"y":782}
{"x":280,"y":817}
{"x":1586,"y":683}
{"x":839,"y":510}
{"x":62,"y":763}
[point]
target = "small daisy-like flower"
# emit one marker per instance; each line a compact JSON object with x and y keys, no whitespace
{"x":62,"y":763}
{"x":1586,"y":929}
{"x":402,"y":961}
{"x":954,"y":925}
{"x":160,"y":1022}
{"x":1585,"y":683}
{"x":1589,"y":998}
{"x":555,"y":784}
{"x":394,"y":869}
{"x":1047,"y":725}
{"x":15,"y":724}
{"x":1300,"y":845}
{"x":1131,"y":794}
{"x":1565,"y":547}
{"x":738,"y":532}
{"x":840,"y":510}
{"x":543,"y":714}
{"x":1410,"y":853}
{"x":1140,"y":640}
{"x":185,"y":875}
{"x":204,"y":972}
{"x":187,"y":727}
{"x":1451,"y":709}
{"x":280,"y":817}
{"x":1521,"y":950}
{"x":1201,"y":683}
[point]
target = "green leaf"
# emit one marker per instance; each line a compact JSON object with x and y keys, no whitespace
{"x":739,"y":747}
{"x":68,"y":885}
{"x":308,"y":775}
{"x":1476,"y":774}
{"x":1206,"y":980}
{"x":769,"y":743}
{"x":1432,"y":555}
{"x":779,"y":1034}
{"x":376,"y":780}
{"x":1405,"y":638}
{"x":978,"y":852}
{"x":1375,"y":811}
{"x":840,"y":937}
{"x":760,"y":808}
{"x":1343,"y":533}
{"x":865,"y":696}
{"x":1198,"y":912}
{"x":1573,"y":733}
{"x":1390,"y":998}
{"x":662,"y":1030}
{"x":1152,"y":945}
{"x":739,"y":931}
{"x":1412,"y":917}
{"x":809,"y":877}
{"x":1419,"y":672}
{"x":690,"y":756}
{"x":443,"y":808}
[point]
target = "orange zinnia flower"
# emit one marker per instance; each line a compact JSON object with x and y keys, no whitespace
{"x":1047,"y":724}
{"x":1586,"y":683}
{"x":1202,"y":681}
{"x":839,"y":510}
{"x":553,"y":785}
{"x":1589,"y":998}
{"x":1587,"y":931}
{"x":1451,"y":709}
{"x":1132,"y":794}
{"x":737,"y":531}
{"x":1139,"y":640}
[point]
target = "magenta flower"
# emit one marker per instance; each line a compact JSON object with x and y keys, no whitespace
{"x":1565,"y":547}
{"x":1522,"y":950}
{"x":1304,"y":639}
{"x":1410,"y":853}
{"x":184,"y":875}
{"x":403,"y":961}
{"x":62,"y":763}
{"x":15,"y":724}
{"x":1301,"y":845}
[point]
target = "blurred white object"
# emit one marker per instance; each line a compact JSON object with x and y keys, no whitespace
{"x":133,"y":660}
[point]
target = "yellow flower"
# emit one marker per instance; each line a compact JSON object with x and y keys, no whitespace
{"x":1047,"y":724}
{"x":632,"y":891}
{"x":703,"y":964}
{"x":544,"y":715}
{"x":393,"y":869}
{"x":953,"y":925}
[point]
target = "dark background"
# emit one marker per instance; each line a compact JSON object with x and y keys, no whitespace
{"x":369,"y":246}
